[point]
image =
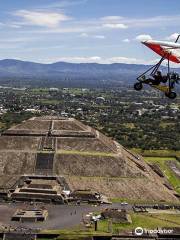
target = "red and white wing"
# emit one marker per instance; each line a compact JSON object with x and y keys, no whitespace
{"x":168,"y":50}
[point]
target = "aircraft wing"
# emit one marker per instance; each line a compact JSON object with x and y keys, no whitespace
{"x":168,"y":50}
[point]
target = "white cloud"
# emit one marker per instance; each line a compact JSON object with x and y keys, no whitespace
{"x":57,"y":30}
{"x":173,"y":36}
{"x":115,"y":25}
{"x":92,"y":59}
{"x":96,"y":59}
{"x":64,"y":4}
{"x":126,"y":40}
{"x":99,"y":36}
{"x":1,"y":24}
{"x":40,"y":18}
{"x":111,"y":18}
{"x":156,"y":21}
{"x":84,"y":35}
{"x":19,"y":39}
{"x":123,"y":60}
{"x":52,"y":19}
{"x":143,"y":37}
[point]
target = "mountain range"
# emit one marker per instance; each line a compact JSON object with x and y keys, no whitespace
{"x":63,"y":74}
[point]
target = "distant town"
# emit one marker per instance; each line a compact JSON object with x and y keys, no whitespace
{"x":145,"y":120}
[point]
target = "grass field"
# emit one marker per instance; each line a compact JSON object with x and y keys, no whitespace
{"x":157,"y":153}
{"x":161,"y":157}
{"x":77,"y":233}
{"x":100,"y":154}
{"x":162,"y":162}
{"x":137,"y":201}
{"x":144,"y":220}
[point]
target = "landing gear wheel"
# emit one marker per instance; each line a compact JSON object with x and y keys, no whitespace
{"x":138,"y":86}
{"x":171,"y":95}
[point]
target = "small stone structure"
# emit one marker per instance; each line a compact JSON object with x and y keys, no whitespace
{"x":30,"y":215}
{"x":88,"y":196}
{"x":40,"y":188}
{"x":117,"y":215}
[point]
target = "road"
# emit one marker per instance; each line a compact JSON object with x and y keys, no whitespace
{"x":60,"y":216}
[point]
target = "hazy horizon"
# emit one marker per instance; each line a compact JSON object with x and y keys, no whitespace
{"x":85,"y":31}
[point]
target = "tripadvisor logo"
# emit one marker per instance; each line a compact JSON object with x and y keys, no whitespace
{"x":140,"y":231}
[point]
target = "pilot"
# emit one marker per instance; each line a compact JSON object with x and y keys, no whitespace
{"x":158,"y":78}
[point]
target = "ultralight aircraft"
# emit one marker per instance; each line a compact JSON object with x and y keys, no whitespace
{"x":153,"y":76}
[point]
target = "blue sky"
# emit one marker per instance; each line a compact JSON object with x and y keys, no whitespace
{"x":103,"y":31}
